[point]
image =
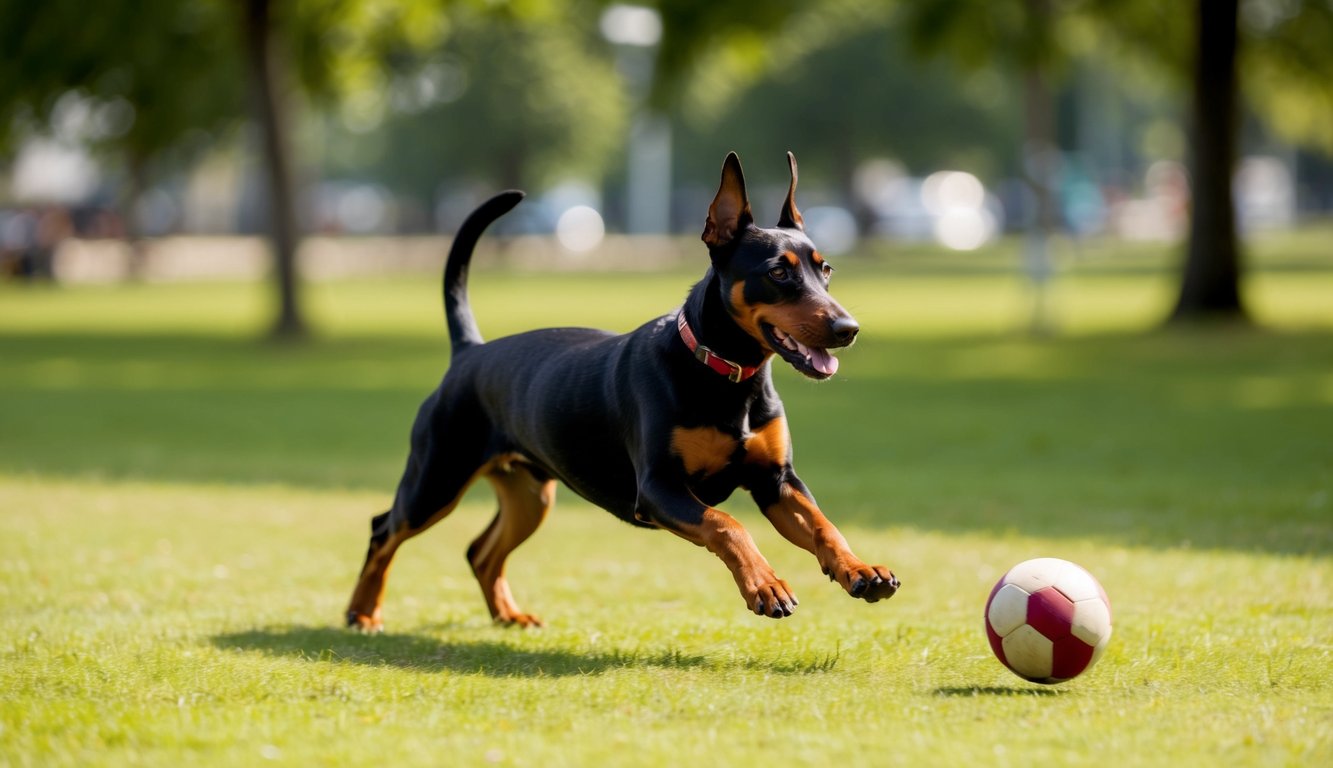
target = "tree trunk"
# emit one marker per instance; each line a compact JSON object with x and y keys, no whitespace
{"x":1210,"y":284}
{"x":268,"y":114}
{"x":132,"y":196}
{"x":1041,"y":159}
{"x":1041,"y":163}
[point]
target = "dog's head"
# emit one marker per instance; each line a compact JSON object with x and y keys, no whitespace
{"x":774,"y":282}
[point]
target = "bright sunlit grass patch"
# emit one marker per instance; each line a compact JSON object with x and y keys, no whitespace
{"x":164,"y":624}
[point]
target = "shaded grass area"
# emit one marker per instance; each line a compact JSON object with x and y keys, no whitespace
{"x":1119,"y":433}
{"x":492,"y":657}
{"x":185,"y":509}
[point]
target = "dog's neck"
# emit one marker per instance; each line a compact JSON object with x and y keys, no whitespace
{"x":706,"y":311}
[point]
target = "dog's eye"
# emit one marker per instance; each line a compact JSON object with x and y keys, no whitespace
{"x":828,"y":271}
{"x":778,"y":273}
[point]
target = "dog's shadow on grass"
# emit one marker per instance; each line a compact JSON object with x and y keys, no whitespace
{"x":493,"y":658}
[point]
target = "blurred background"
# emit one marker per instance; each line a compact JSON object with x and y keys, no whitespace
{"x":298,"y":139}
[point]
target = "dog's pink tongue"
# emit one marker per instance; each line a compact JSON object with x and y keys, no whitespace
{"x":823,"y":362}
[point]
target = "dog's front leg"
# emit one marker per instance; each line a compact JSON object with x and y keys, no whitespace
{"x":679,"y":511}
{"x":796,"y":516}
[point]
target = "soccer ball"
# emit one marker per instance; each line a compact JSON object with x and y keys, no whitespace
{"x":1048,"y":620}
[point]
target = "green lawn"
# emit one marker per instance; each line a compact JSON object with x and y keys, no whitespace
{"x":183,"y":511}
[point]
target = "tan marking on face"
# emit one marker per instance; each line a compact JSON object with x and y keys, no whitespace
{"x":806,"y":320}
{"x":792,"y":259}
{"x":747,"y":316}
{"x":769,"y":444}
{"x":703,"y":449}
{"x":817,"y":258}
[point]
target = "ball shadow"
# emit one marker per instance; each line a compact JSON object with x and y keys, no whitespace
{"x":996,"y":691}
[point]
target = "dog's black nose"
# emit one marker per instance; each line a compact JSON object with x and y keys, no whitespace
{"x":846,"y":328}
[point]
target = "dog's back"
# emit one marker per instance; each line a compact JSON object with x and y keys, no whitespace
{"x":557,"y":396}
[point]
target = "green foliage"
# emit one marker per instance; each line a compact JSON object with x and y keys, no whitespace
{"x":868,"y":92}
{"x":1285,"y":62}
{"x":157,"y":72}
{"x":166,"y":75}
{"x":1022,"y":34}
{"x":186,"y":511}
{"x":712,"y":53}
{"x":352,"y":48}
{"x":1284,"y":56}
{"x":520,"y":97}
{"x":719,"y":45}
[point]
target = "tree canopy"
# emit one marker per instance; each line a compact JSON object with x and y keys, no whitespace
{"x":152,"y":75}
{"x":525,"y":92}
{"x":517,"y":100}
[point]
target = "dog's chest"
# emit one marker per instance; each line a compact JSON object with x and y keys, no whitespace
{"x":707,"y":451}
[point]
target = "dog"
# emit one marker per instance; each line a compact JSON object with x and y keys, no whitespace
{"x":656,"y":426}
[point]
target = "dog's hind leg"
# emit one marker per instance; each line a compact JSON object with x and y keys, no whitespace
{"x":525,"y":497}
{"x":425,"y":496}
{"x":364,"y":610}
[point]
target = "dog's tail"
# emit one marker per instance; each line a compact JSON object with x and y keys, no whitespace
{"x":463,"y":331}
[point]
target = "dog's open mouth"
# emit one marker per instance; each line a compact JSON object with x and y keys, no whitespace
{"x":814,"y":362}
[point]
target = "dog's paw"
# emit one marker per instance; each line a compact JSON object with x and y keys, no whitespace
{"x":773,"y":599}
{"x":520,"y":620}
{"x":366,"y":625}
{"x":871,"y":583}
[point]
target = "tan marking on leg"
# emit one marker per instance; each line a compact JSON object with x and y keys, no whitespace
{"x":365,"y":609}
{"x":800,"y":521}
{"x":721,"y":534}
{"x":524,"y":502}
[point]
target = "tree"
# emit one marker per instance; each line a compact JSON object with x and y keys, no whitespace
{"x":1210,"y":284}
{"x":1287,"y":67}
{"x":1271,"y":57}
{"x":1023,"y":37}
{"x":165,"y":61}
{"x":342,"y":47}
{"x":267,"y":95}
{"x":152,"y":76}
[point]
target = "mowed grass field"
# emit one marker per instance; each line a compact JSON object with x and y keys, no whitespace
{"x":183,"y":511}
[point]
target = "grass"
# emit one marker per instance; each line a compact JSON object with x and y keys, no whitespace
{"x":184,"y":510}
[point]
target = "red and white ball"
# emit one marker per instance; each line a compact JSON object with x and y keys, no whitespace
{"x":1048,"y":620}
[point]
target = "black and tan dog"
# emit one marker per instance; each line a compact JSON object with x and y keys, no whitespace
{"x":656,"y":426}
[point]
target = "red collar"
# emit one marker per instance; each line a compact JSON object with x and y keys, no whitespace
{"x":734,"y":372}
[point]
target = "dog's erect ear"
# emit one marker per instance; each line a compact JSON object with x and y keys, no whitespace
{"x":729,"y":214}
{"x":791,"y":218}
